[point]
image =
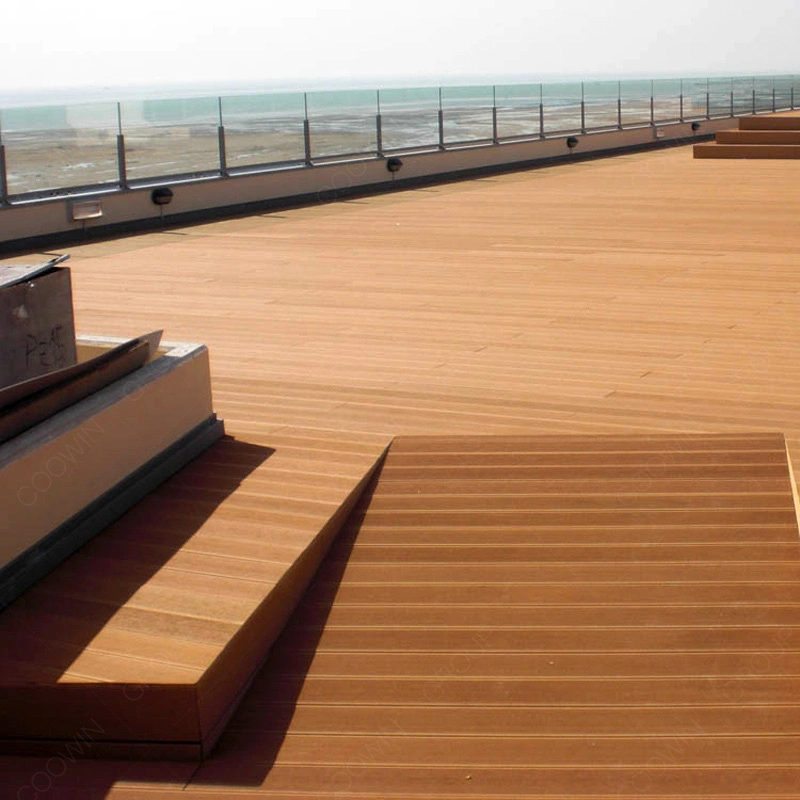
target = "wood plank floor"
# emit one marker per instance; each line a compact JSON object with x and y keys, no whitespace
{"x":153,"y":629}
{"x":564,"y":665}
{"x":647,"y":293}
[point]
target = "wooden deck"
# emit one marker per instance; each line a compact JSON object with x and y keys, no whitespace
{"x":648,"y":293}
{"x":546,"y":635}
{"x":154,"y":629}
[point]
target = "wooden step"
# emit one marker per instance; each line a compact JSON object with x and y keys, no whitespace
{"x":154,"y":630}
{"x":758,"y":137}
{"x":714,"y":150}
{"x":770,"y":122}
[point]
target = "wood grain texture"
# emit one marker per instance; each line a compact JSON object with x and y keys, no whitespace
{"x":643,"y":294}
{"x":482,"y":694}
{"x":153,"y":630}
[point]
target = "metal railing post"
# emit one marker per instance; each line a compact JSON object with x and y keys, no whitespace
{"x":680,"y":113}
{"x":652,"y":104}
{"x":541,"y":111}
{"x":773,"y":97}
{"x":754,"y":99}
{"x":306,"y":130}
{"x":619,"y":105}
{"x":708,"y":104}
{"x":494,"y":115}
{"x":3,"y":179}
{"x":732,"y":102}
{"x":791,"y":94}
{"x":583,"y":109}
{"x":122,"y":161}
{"x":223,"y":153}
{"x":441,"y":121}
{"x":378,"y":124}
{"x":3,"y":173}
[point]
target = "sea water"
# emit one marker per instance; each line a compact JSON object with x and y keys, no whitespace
{"x":56,"y":139}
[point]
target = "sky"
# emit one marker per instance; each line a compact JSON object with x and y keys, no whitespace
{"x":48,"y":44}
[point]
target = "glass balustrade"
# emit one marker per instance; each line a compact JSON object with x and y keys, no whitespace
{"x":762,"y":88}
{"x":409,"y":118}
{"x":518,"y":110}
{"x":601,"y":105}
{"x":50,"y":148}
{"x":61,"y":149}
{"x":562,"y":107}
{"x":342,"y":123}
{"x":467,"y":114}
{"x":170,"y":137}
{"x":666,"y":101}
{"x":263,"y":129}
{"x":635,"y":102}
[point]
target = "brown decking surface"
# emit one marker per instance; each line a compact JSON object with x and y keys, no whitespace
{"x":153,"y":629}
{"x":542,"y":636}
{"x":646,"y":293}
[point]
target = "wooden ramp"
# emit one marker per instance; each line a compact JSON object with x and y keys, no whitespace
{"x":150,"y":634}
{"x":770,"y":136}
{"x":541,"y":617}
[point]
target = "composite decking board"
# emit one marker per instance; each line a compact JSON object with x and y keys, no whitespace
{"x":649,"y":293}
{"x":425,"y":688}
{"x":132,"y":613}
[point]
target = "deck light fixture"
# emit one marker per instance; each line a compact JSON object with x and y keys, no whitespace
{"x":162,"y":196}
{"x":695,"y":126}
{"x":572,"y":142}
{"x":394,"y":164}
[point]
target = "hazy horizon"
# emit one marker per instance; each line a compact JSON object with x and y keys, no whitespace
{"x":55,"y":47}
{"x":181,"y":89}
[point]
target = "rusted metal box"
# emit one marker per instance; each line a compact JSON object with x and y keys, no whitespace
{"x":37,"y":325}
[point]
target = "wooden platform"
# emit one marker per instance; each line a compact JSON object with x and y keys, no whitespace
{"x":769,"y":136}
{"x":565,"y":631}
{"x":154,"y":629}
{"x":644,"y":294}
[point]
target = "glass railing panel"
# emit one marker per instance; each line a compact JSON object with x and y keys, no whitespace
{"x":763,"y":90}
{"x":467,"y":113}
{"x":719,"y":97}
{"x":58,"y":147}
{"x":409,"y":118}
{"x":518,"y":110}
{"x":263,"y":129}
{"x":666,"y":100}
{"x":695,"y":92}
{"x":171,"y":137}
{"x":742,"y":96}
{"x":342,"y":123}
{"x":783,"y":91}
{"x":635,"y":98}
{"x":601,"y":104}
{"x":562,"y":107}
{"x":795,"y":90}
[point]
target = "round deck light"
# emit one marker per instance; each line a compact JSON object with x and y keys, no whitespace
{"x":572,"y":142}
{"x":695,"y":126}
{"x":162,"y":196}
{"x":394,"y":164}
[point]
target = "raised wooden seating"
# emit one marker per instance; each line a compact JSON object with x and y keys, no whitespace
{"x":154,"y":629}
{"x":768,"y":136}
